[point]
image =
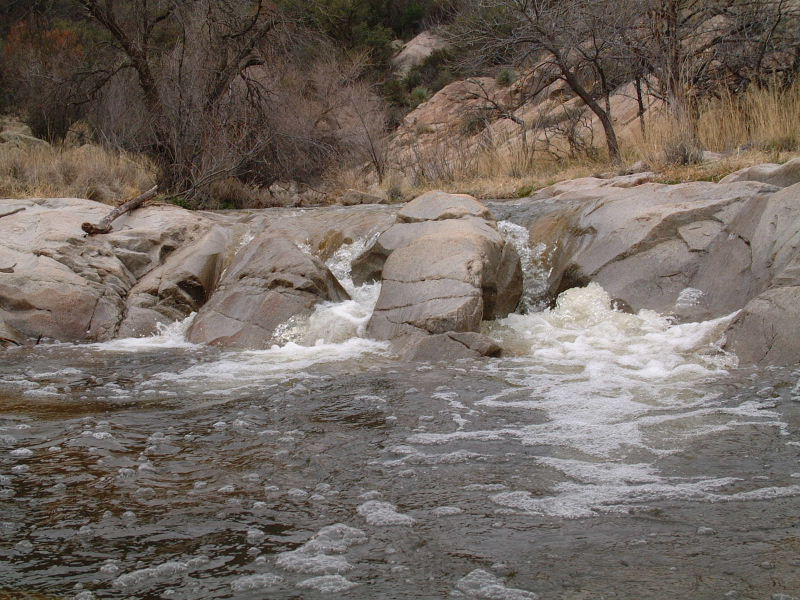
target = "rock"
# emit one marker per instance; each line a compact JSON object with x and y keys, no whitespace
{"x":644,"y":245}
{"x":10,"y":336}
{"x":444,"y":267}
{"x":779,"y":175}
{"x":416,"y":51}
{"x":369,"y":265}
{"x":179,"y":287}
{"x":438,"y":206}
{"x":21,"y":140}
{"x":355,"y":197}
{"x":708,"y":156}
{"x":70,"y":287}
{"x":766,"y":331}
{"x":445,"y":346}
{"x":270,"y":281}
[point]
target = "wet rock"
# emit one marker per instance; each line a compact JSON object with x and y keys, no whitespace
{"x":446,"y":346}
{"x":270,"y":281}
{"x":774,"y":174}
{"x":645,"y":245}
{"x":444,"y":267}
{"x":765,"y":332}
{"x":10,"y":336}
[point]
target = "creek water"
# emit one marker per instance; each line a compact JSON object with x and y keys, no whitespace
{"x":607,"y":455}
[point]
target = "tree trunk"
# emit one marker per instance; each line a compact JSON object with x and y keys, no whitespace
{"x":104,"y":226}
{"x":605,"y":118}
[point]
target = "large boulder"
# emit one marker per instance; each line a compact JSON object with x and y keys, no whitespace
{"x":57,"y":283}
{"x":270,"y":281}
{"x":416,"y":51}
{"x":774,"y":174}
{"x":444,"y":267}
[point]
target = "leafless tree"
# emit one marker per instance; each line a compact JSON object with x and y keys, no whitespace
{"x":192,"y":60}
{"x":568,"y":40}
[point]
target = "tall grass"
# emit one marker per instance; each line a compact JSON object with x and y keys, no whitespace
{"x":764,"y":118}
{"x":85,"y":172}
{"x":759,"y":125}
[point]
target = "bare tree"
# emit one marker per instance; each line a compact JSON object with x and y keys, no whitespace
{"x":568,"y":40}
{"x":191,"y":60}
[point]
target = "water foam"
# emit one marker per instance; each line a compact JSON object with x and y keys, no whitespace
{"x":169,"y":336}
{"x":482,"y":584}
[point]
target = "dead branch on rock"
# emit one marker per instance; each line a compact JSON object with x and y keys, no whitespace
{"x":104,"y":226}
{"x":13,"y":212}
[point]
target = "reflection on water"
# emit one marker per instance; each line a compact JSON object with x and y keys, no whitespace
{"x":611,"y":455}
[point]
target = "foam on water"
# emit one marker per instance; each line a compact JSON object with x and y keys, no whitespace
{"x":602,"y":387}
{"x":337,"y":322}
{"x":327,"y":584}
{"x":168,"y":336}
{"x":255,"y":582}
{"x":482,"y":584}
{"x":383,"y":513}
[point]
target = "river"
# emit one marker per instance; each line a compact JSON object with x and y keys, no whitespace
{"x":607,"y":455}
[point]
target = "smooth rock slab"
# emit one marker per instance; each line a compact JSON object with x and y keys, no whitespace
{"x":438,"y":206}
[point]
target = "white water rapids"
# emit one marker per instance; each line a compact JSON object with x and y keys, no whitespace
{"x":323,"y":467}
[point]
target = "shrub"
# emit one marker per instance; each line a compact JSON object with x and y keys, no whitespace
{"x":419,"y":95}
{"x":506,"y":77}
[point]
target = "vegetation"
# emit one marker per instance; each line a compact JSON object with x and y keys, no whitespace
{"x":219,"y":100}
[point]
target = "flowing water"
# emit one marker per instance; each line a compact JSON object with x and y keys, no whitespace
{"x":608,"y":455}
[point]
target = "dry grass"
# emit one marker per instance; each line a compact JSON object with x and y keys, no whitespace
{"x":764,"y":118}
{"x":759,"y":126}
{"x":85,"y":172}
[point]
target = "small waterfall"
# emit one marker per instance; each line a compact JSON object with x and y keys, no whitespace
{"x":534,"y":272}
{"x":336,"y":322}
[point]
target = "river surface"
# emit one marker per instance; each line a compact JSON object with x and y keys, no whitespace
{"x":607,"y":455}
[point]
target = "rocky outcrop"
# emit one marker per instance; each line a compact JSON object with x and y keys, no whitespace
{"x":444,"y":267}
{"x":270,"y":281}
{"x":161,"y":263}
{"x":766,"y":331}
{"x":644,"y":245}
{"x":416,"y":51}
{"x":696,"y":251}
{"x":355,"y":197}
{"x":179,"y":287}
{"x":57,"y":283}
{"x":779,"y":175}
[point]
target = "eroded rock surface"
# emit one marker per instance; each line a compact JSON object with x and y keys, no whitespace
{"x":57,"y":283}
{"x":695,"y":250}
